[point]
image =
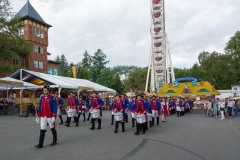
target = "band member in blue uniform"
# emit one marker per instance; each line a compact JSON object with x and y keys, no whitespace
{"x":89,"y":106}
{"x":113,"y":109}
{"x":133,"y":108}
{"x":156,"y":107}
{"x":60,"y":105}
{"x":96,"y":104}
{"x":140,"y":105}
{"x":118,"y":108}
{"x":47,"y":110}
{"x":125,"y":104}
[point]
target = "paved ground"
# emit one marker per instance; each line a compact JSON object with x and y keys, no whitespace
{"x":190,"y":137}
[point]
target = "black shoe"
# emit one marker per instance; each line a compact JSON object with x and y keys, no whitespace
{"x":67,"y":125}
{"x":53,"y":144}
{"x":115,"y":132}
{"x":136,"y":133}
{"x":143,"y":132}
{"x":38,"y":146}
{"x":111,"y":123}
{"x":60,"y":123}
{"x":92,"y":128}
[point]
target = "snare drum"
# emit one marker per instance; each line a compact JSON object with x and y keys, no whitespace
{"x":149,"y":117}
{"x":118,"y":116}
{"x":59,"y":111}
{"x":70,"y":113}
{"x":95,"y":113}
{"x":141,"y":118}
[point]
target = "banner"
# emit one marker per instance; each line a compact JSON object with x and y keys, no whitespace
{"x":235,"y":88}
{"x":52,"y":71}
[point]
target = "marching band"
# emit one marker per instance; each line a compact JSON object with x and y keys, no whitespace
{"x":143,"y":110}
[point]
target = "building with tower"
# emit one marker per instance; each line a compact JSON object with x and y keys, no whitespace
{"x":35,"y":31}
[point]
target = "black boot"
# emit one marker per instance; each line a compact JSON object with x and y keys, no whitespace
{"x":153,"y":121}
{"x":99,"y":123}
{"x":150,"y":124}
{"x":133,"y":123}
{"x":66,"y":120}
{"x":140,"y":127}
{"x":157,"y":121}
{"x":183,"y":113}
{"x":76,"y":119}
{"x":54,"y":133}
{"x":116,"y":127}
{"x":143,"y":127}
{"x":146,"y":125}
{"x":112,"y":119}
{"x":137,"y":128}
{"x":79,"y":114}
{"x":123,"y":126}
{"x":177,"y":113}
{"x":61,"y":119}
{"x":84,"y":118}
{"x":69,"y":120}
{"x":126,"y":118}
{"x":93,"y":124}
{"x":89,"y":114}
{"x":41,"y":139}
{"x":180,"y":113}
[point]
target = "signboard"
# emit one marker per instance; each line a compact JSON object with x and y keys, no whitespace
{"x":235,"y":88}
{"x":52,"y":71}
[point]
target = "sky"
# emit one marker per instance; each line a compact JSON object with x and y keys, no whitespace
{"x":121,"y":28}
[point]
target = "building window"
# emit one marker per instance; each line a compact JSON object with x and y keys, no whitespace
{"x":38,"y":32}
{"x":34,"y":31}
{"x":21,"y":31}
{"x":35,"y":64}
{"x":40,"y":50}
{"x":35,"y":49}
{"x":15,"y":61}
{"x":40,"y":65}
{"x":42,"y":33}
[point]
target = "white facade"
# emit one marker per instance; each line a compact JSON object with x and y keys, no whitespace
{"x":225,"y":94}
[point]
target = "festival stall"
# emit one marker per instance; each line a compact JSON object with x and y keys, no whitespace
{"x":188,"y":87}
{"x":7,"y":83}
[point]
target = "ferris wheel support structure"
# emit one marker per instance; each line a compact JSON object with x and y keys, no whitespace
{"x":160,"y":68}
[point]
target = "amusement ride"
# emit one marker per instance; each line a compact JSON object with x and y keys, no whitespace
{"x":160,"y":68}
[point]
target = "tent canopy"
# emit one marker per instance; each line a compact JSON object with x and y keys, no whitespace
{"x":58,"y":81}
{"x":11,"y":83}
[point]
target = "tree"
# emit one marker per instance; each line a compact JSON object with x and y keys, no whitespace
{"x":109,"y":79}
{"x":83,"y":73}
{"x":98,"y":64}
{"x":136,"y":80}
{"x":12,"y":45}
{"x":86,"y":61}
{"x":63,"y":68}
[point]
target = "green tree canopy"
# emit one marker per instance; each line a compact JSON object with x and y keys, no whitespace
{"x":12,"y":44}
{"x":98,"y":64}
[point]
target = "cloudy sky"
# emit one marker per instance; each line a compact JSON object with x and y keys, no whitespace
{"x":121,"y":28}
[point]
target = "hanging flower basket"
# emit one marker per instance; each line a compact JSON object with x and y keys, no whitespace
{"x":157,"y":29}
{"x":158,"y":58}
{"x":157,"y":14}
{"x":158,"y":44}
{"x":156,"y":1}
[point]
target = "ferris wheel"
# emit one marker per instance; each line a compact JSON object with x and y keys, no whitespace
{"x":160,"y":68}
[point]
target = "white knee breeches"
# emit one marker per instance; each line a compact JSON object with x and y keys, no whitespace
{"x":44,"y":121}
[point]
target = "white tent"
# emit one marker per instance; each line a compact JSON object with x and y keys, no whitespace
{"x":4,"y":84}
{"x":59,"y":81}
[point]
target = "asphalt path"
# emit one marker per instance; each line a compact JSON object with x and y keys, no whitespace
{"x":191,"y":137}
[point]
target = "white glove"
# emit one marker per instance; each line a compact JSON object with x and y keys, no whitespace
{"x":37,"y":120}
{"x":53,"y":119}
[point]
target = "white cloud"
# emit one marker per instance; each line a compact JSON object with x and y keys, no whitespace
{"x":121,"y":28}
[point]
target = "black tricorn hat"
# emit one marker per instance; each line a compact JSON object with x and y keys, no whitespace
{"x":47,"y":87}
{"x":139,"y":94}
